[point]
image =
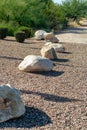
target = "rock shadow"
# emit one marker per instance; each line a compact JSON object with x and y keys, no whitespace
{"x":50,"y":97}
{"x":75,"y":30}
{"x":61,"y":60}
{"x":10,"y":58}
{"x":51,"y":73}
{"x":27,"y":42}
{"x":33,"y":117}
{"x":66,"y":52}
{"x":10,"y":40}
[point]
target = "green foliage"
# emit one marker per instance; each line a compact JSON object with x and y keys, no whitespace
{"x":12,"y":26}
{"x":27,"y":31}
{"x":20,"y":36}
{"x":30,"y":13}
{"x":75,"y":9}
{"x":3,"y":32}
{"x":40,"y":14}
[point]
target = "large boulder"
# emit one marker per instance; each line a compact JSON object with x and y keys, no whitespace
{"x":51,"y":38}
{"x":39,"y":35}
{"x":48,"y":52}
{"x":32,"y":63}
{"x":11,"y":105}
{"x":57,"y":47}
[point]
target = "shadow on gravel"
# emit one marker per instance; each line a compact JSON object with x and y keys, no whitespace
{"x":61,"y":60}
{"x":51,"y":73}
{"x":10,"y":58}
{"x":33,"y":117}
{"x":78,"y":30}
{"x":50,"y":97}
{"x":29,"y":42}
{"x":10,"y":40}
{"x":67,"y":52}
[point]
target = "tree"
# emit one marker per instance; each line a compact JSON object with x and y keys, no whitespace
{"x":32,"y":13}
{"x":74,"y":8}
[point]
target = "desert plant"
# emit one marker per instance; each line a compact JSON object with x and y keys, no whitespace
{"x":3,"y":32}
{"x":20,"y":36}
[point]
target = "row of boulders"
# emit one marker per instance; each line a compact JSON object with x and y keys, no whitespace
{"x":43,"y":35}
{"x":11,"y":104}
{"x":33,"y":63}
{"x":52,"y":45}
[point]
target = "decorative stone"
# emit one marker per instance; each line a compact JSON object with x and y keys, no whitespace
{"x":46,"y":33}
{"x":48,"y":52}
{"x":11,"y":105}
{"x":51,"y":38}
{"x":33,"y":63}
{"x":57,"y":47}
{"x":39,"y":35}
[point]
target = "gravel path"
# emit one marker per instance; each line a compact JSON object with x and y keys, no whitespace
{"x":55,"y":100}
{"x":74,"y":35}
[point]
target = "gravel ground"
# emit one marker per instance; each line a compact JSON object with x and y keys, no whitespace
{"x":55,"y":100}
{"x":74,"y":35}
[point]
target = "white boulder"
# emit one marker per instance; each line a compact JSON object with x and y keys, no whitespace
{"x":48,"y":52}
{"x":39,"y":35}
{"x":11,"y":105}
{"x":57,"y":47}
{"x":33,"y":63}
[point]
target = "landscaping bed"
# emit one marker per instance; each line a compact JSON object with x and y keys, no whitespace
{"x":55,"y":100}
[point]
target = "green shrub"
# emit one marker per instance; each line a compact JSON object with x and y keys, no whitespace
{"x":20,"y":36}
{"x":3,"y":32}
{"x":26,"y":30}
{"x":12,"y":26}
{"x":32,"y":32}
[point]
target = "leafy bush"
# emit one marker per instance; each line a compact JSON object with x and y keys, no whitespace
{"x":39,"y":14}
{"x":20,"y":36}
{"x":26,"y":30}
{"x":12,"y":26}
{"x":74,"y":9}
{"x":32,"y":32}
{"x":3,"y":32}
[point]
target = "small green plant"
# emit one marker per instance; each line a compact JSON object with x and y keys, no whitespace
{"x":3,"y":32}
{"x":26,"y":30}
{"x":20,"y":36}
